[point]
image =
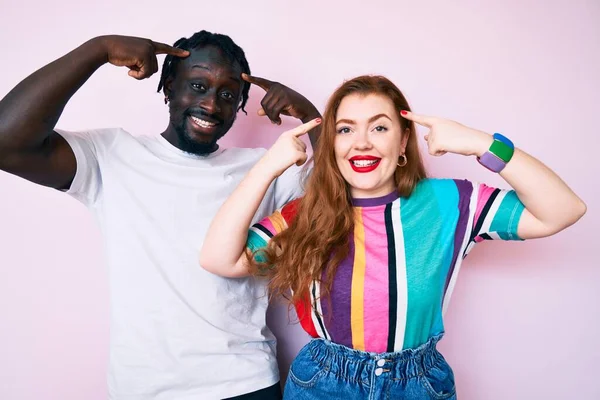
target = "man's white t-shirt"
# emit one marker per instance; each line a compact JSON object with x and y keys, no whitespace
{"x":177,"y":331}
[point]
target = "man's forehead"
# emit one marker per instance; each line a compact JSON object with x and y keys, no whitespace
{"x":210,"y":58}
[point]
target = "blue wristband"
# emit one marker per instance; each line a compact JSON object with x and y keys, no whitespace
{"x":501,"y":138}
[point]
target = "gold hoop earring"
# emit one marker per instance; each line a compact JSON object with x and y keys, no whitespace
{"x":404,"y":160}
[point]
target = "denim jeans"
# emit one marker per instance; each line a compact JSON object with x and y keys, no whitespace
{"x":325,"y":370}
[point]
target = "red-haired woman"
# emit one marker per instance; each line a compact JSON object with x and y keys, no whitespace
{"x":371,"y":253}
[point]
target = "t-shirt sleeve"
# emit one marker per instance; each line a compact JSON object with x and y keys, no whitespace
{"x":89,"y":148}
{"x":289,"y":185}
{"x":497,"y":213}
{"x":260,"y":234}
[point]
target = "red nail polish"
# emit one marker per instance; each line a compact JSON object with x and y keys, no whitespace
{"x":403,"y":112}
{"x":318,"y":120}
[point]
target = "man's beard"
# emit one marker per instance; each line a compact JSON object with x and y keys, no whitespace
{"x":189,"y":145}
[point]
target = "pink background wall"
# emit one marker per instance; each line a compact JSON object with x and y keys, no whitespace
{"x":524,"y":322}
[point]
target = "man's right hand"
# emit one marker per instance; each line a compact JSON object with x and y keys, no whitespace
{"x":137,"y":54}
{"x":29,"y":146}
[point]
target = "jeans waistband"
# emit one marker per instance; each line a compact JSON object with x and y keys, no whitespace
{"x":358,"y":365}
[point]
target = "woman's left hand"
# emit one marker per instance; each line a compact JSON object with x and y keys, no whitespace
{"x":446,"y":136}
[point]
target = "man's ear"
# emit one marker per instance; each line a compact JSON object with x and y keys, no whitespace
{"x":167,"y":87}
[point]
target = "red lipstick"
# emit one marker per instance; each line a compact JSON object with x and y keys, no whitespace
{"x":364,"y":167}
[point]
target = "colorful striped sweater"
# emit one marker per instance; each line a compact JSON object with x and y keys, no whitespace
{"x":391,"y":291}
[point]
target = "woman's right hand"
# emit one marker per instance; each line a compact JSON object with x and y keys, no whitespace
{"x":287,"y":150}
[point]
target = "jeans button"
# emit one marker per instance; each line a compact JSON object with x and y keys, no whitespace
{"x":381,"y":363}
{"x":379,"y":371}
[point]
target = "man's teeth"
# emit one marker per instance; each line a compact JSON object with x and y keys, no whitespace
{"x":203,"y":123}
{"x":364,"y":163}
